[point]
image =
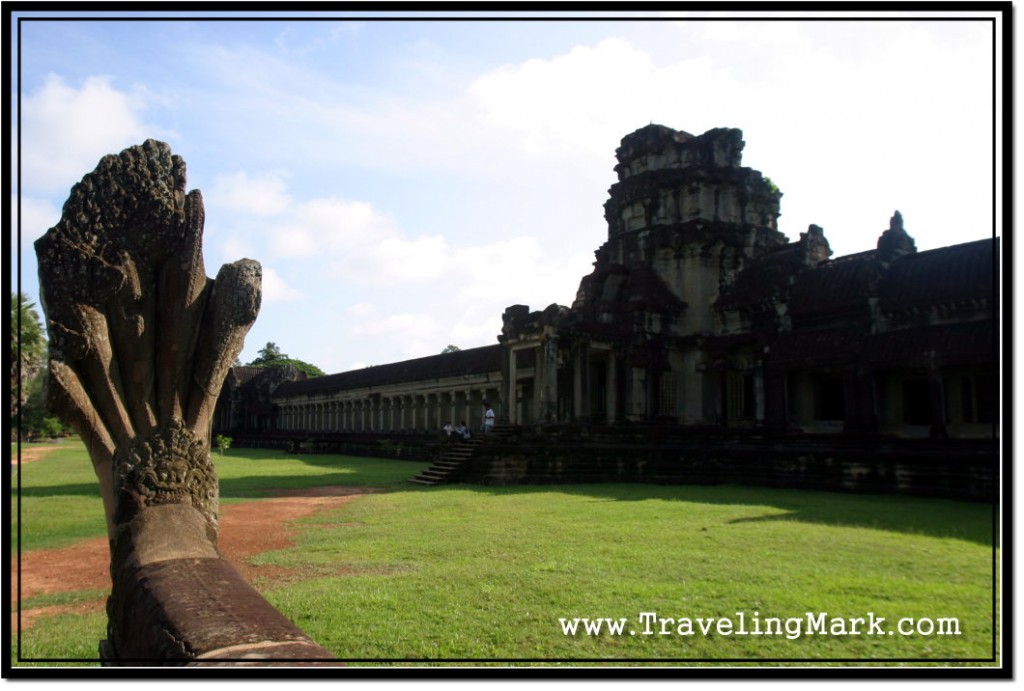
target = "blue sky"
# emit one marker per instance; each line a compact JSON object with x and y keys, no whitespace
{"x":403,"y":181}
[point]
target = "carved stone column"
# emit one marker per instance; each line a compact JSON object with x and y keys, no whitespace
{"x":140,"y":343}
{"x":512,"y":388}
{"x":936,"y":399}
{"x":582,"y":376}
{"x":469,"y":410}
{"x":547,"y":381}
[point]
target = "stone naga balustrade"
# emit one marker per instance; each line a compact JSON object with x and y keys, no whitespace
{"x":140,"y":342}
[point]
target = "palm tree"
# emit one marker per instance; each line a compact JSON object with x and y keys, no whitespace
{"x":28,"y":348}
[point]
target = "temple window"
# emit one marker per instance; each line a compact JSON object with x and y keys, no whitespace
{"x":740,"y":395}
{"x":976,"y":399}
{"x":829,"y":397}
{"x":916,"y":402}
{"x":667,"y":394}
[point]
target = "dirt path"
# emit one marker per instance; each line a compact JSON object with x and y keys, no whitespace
{"x":32,"y":452}
{"x":246,"y":529}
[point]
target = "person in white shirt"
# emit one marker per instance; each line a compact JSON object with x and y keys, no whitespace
{"x":488,"y":417}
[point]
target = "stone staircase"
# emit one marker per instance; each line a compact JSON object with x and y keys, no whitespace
{"x":501,"y":433}
{"x":455,"y":458}
{"x":452,"y":461}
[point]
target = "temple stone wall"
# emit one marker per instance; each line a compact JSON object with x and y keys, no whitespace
{"x":961,"y":470}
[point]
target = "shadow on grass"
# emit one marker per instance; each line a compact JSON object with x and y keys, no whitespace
{"x":256,"y":487}
{"x":366,"y":463}
{"x":942,"y":518}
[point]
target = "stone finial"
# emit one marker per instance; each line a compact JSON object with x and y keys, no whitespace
{"x":895,"y":242}
{"x":815,"y":245}
{"x":141,"y":341}
{"x":140,"y":338}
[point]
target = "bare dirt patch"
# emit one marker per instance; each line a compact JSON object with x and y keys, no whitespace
{"x":31,"y":453}
{"x":252,"y":528}
{"x":246,"y":529}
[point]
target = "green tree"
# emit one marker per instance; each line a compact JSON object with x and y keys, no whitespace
{"x":270,"y":355}
{"x":223,"y":443}
{"x":450,"y":349}
{"x":28,"y":348}
{"x":33,"y":411}
{"x":51,"y":428}
{"x":35,"y":419}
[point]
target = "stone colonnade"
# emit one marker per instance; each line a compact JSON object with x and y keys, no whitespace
{"x":382,"y":412}
{"x":593,"y":389}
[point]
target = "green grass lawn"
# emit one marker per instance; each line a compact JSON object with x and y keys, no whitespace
{"x":475,"y":573}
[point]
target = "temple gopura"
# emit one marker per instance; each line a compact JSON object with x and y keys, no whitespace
{"x":699,"y":314}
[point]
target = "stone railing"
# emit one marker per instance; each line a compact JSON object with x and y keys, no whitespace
{"x":140,"y":342}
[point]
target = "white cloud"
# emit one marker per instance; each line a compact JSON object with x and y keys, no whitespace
{"x":838,"y":114}
{"x":562,"y":105}
{"x":236,"y":247}
{"x":398,"y":260}
{"x":521,"y":270}
{"x":67,"y":130}
{"x":361,"y":243}
{"x":258,"y":196}
{"x":37,"y":216}
{"x":275,"y":289}
{"x":396,"y":323}
{"x":426,"y":292}
{"x":481,"y":332}
{"x":412,"y":335}
{"x":351,"y":241}
{"x":293,"y":241}
{"x":565,"y":107}
{"x":331,"y":227}
{"x":873,"y":119}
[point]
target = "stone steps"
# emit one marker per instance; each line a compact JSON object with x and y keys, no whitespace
{"x":455,"y":458}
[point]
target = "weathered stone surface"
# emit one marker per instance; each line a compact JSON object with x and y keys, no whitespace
{"x":187,"y":609}
{"x":140,"y":342}
{"x":140,"y":338}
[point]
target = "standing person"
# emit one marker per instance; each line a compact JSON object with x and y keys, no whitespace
{"x":488,"y":417}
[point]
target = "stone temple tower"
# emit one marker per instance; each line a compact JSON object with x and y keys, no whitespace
{"x":685,"y":210}
{"x":684,"y":218}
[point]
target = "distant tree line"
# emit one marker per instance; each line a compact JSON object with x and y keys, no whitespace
{"x":28,"y":347}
